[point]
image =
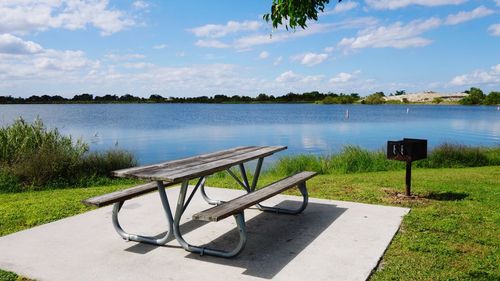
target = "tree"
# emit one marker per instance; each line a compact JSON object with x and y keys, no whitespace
{"x":107,"y":98}
{"x":296,"y":12}
{"x":376,"y":98}
{"x":156,"y":98}
{"x":262,"y":97}
{"x":475,"y":96}
{"x":83,"y":97}
{"x":437,"y":100}
{"x":493,"y":98}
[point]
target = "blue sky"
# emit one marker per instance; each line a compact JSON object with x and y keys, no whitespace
{"x":193,"y":48}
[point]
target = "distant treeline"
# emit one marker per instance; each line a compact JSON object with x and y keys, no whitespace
{"x":475,"y":97}
{"x":308,"y":97}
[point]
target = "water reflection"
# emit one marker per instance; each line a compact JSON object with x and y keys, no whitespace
{"x":159,"y":132}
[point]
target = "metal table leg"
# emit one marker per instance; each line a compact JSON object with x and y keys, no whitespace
{"x":146,"y":239}
{"x":205,"y":196}
{"x":305,"y":200}
{"x":181,"y":207}
{"x":251,"y":188}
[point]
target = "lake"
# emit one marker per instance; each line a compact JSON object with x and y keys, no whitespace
{"x":159,"y":132}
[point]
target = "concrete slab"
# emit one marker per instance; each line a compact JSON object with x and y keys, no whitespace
{"x":331,"y":240}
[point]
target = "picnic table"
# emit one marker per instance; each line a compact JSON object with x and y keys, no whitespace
{"x":198,"y":168}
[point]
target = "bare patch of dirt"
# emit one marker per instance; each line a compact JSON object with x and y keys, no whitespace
{"x":397,"y":197}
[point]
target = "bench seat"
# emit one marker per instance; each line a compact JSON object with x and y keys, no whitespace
{"x":239,"y":204}
{"x":121,"y":195}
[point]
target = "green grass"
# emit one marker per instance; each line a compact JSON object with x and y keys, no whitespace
{"x":451,"y":233}
{"x":354,"y":159}
{"x":39,"y":207}
{"x":35,"y":157}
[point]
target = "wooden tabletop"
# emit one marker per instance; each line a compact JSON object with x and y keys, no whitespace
{"x":198,"y":166}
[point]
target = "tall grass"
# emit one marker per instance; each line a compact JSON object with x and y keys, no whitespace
{"x":33,"y":157}
{"x":457,"y":156}
{"x":354,"y":159}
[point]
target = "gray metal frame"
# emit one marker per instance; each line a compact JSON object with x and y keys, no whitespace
{"x":181,"y":207}
{"x":251,"y":188}
{"x":182,"y":204}
{"x":146,"y":239}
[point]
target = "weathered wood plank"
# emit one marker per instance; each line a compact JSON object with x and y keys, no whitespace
{"x":120,"y":195}
{"x":237,"y":205}
{"x":185,"y":162}
{"x":209,"y":167}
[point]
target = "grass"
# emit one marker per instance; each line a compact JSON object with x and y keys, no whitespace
{"x":34,"y":157}
{"x":451,"y":232}
{"x":354,"y":159}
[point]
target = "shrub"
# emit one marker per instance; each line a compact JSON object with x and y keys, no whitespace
{"x":34,"y":157}
{"x":101,"y":163}
{"x":22,"y":140}
{"x":354,"y":159}
{"x":437,"y":100}
{"x":291,"y":164}
{"x":9,"y":182}
{"x":456,"y":155}
{"x":492,"y":99}
{"x":475,"y":96}
{"x":376,"y":98}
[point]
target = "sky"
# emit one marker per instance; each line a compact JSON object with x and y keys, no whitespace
{"x":208,"y":47}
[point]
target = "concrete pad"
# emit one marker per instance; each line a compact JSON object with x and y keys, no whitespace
{"x":331,"y":240}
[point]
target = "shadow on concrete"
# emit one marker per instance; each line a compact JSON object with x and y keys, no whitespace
{"x":274,"y":239}
{"x":143,"y":248}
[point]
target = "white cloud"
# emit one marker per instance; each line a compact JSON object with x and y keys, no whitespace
{"x":498,"y":2}
{"x":494,"y":29}
{"x":137,"y":65}
{"x":249,"y":41}
{"x":342,"y":7}
{"x":479,"y":77}
{"x":160,"y":46}
{"x":310,"y":59}
{"x":278,"y":60}
{"x":10,"y":44}
{"x":32,"y":15}
{"x":329,"y":49}
{"x":263,"y":55}
{"x":313,"y":28}
{"x":218,"y":30}
{"x":211,"y":44}
{"x":396,"y":4}
{"x":463,"y":16}
{"x":291,"y":78}
{"x":287,"y":77}
{"x":341,"y":82}
{"x":49,"y":66}
{"x":28,"y":61}
{"x":342,"y":77}
{"x":313,"y":78}
{"x":123,"y":57}
{"x":396,"y":35}
{"x":70,"y":61}
{"x":140,"y":5}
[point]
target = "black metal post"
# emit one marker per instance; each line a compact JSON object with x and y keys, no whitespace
{"x":408,"y":178}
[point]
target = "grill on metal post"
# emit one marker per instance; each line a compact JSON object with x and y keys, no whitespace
{"x":407,"y":150}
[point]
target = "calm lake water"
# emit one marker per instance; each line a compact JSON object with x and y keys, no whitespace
{"x":159,"y":132}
